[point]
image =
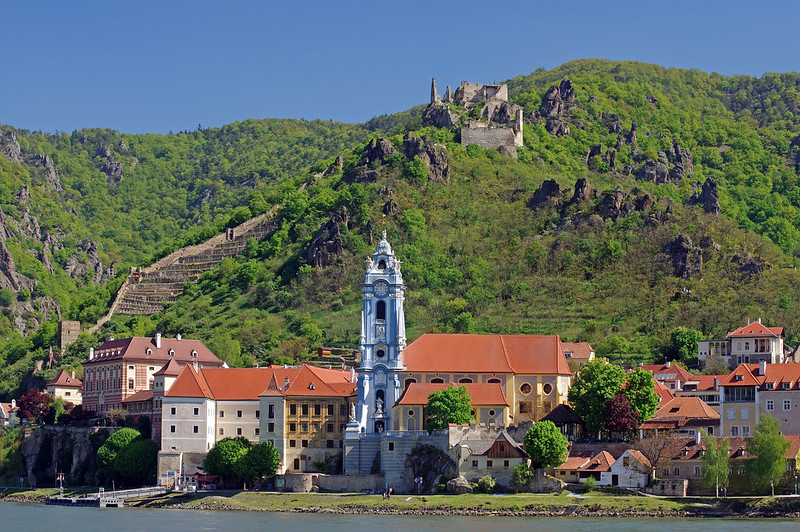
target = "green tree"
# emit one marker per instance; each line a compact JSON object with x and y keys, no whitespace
{"x":620,"y":416}
{"x":640,"y":389}
{"x":451,"y":405}
{"x":522,"y":475}
{"x":107,"y":453}
{"x":715,"y":462}
{"x":545,"y":445}
{"x":596,"y":382}
{"x":683,"y":343}
{"x":135,"y":463}
{"x":222,"y":458}
{"x":767,"y":447}
{"x":260,"y":460}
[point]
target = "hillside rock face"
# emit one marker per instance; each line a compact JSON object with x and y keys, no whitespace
{"x":326,"y":247}
{"x":687,"y":260}
{"x":70,"y":449}
{"x":377,"y":151}
{"x":659,"y":172}
{"x":434,"y":155}
{"x":548,"y":193}
{"x":748,"y":265}
{"x":556,"y":102}
{"x":707,"y":196}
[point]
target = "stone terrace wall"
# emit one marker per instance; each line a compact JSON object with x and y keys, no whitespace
{"x":488,"y":137}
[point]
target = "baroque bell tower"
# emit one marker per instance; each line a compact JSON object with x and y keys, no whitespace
{"x":383,"y":338}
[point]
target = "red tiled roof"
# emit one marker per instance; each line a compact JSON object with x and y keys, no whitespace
{"x":234,"y":384}
{"x":778,"y":374}
{"x":142,"y":395}
{"x":756,"y":329}
{"x":663,"y":393}
{"x":681,"y":411}
{"x":136,"y":349}
{"x":172,"y":368}
{"x":581,"y":350}
{"x":673,"y":372}
{"x":476,"y":353}
{"x":480,"y":394}
{"x":640,"y":457}
{"x":574,"y":462}
{"x":705,"y":383}
{"x":65,"y":381}
{"x":601,"y":462}
{"x":742,"y":376}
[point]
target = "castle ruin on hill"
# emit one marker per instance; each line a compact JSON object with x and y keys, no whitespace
{"x":499,"y":124}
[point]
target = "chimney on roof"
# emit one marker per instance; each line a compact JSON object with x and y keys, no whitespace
{"x":158,"y":340}
{"x":352,"y":374}
{"x":759,"y":320}
{"x":196,"y":366}
{"x":285,"y":382}
{"x":91,"y":353}
{"x":697,"y":438}
{"x":669,"y":363}
{"x":762,"y":367}
{"x":748,"y":321}
{"x":13,"y":403}
{"x":111,"y":338}
{"x":716,"y":384}
{"x":73,"y":373}
{"x":178,"y":337}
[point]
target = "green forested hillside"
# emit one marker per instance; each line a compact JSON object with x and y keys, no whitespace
{"x":479,"y":253}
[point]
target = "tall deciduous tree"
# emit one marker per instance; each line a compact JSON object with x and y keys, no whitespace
{"x":451,"y":405}
{"x":545,"y":444}
{"x":683,"y":342}
{"x":222,"y":458}
{"x":260,"y":460}
{"x":107,"y":453}
{"x":596,"y":382}
{"x":715,"y":462}
{"x":34,"y":405}
{"x":640,"y":390}
{"x":620,"y":416}
{"x":767,"y":447}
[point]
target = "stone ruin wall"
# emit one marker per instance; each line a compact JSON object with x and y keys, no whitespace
{"x":490,"y":137}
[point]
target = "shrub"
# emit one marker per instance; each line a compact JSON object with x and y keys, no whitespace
{"x":589,"y":483}
{"x":486,"y":484}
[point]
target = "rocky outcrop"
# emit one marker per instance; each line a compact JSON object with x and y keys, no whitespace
{"x":548,"y":193}
{"x":612,"y":205}
{"x":707,"y":196}
{"x":111,"y":167}
{"x":87,"y":261}
{"x":583,"y":192}
{"x":48,"y":170}
{"x":747,"y":265}
{"x":70,"y":449}
{"x":9,"y":146}
{"x":687,"y":260}
{"x":671,"y":167}
{"x":556,"y":102}
{"x":428,"y":463}
{"x":600,"y":161}
{"x":655,"y":172}
{"x":377,"y":151}
{"x":438,"y":114}
{"x":458,"y":486}
{"x":326,"y":246}
{"x":435,"y":155}
{"x":681,"y":159}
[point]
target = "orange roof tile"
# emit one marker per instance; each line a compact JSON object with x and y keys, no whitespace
{"x":742,"y":376}
{"x":142,"y":395}
{"x":476,"y":353}
{"x":756,"y":329}
{"x":480,"y":394}
{"x":679,"y":412}
{"x":65,"y":381}
{"x":664,"y":394}
{"x":673,"y":372}
{"x":189,"y":384}
{"x":579,"y":350}
{"x":639,"y":455}
{"x":171,"y":368}
{"x":705,"y":383}
{"x":778,"y":374}
{"x":601,"y":462}
{"x":573,"y":463}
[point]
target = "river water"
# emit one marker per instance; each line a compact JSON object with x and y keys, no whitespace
{"x":18,"y":517}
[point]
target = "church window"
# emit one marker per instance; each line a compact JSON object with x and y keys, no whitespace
{"x":525,"y":407}
{"x":381,"y":353}
{"x":465,"y":380}
{"x":525,"y":388}
{"x":409,"y":381}
{"x":491,"y":412}
{"x":493,"y":381}
{"x":381,"y":311}
{"x":547,"y":388}
{"x":410,"y":411}
{"x":437,"y":380}
{"x":382,"y":265}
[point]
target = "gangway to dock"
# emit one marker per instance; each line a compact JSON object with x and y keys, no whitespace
{"x":103,"y":499}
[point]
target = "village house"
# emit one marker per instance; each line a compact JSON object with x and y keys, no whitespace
{"x":670,"y":375}
{"x":489,"y":405}
{"x":8,"y":413}
{"x":750,"y":344}
{"x":120,"y":368}
{"x":66,"y":387}
{"x":569,"y":425}
{"x":705,"y":388}
{"x":577,"y":354}
{"x":477,"y":457}
{"x":631,"y":470}
{"x":682,"y":416}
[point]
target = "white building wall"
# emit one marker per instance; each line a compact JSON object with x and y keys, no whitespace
{"x":187,"y":424}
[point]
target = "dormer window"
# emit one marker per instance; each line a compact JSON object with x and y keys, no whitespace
{"x":172,"y":352}
{"x":786,"y":385}
{"x":770,"y":386}
{"x":737,"y":378}
{"x":194,"y":354}
{"x":149,"y":351}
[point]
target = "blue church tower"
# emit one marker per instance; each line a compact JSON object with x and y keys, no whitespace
{"x":383,"y":338}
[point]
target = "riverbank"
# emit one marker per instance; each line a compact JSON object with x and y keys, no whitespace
{"x":512,"y":505}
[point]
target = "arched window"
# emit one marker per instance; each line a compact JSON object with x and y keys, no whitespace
{"x":409,"y":381}
{"x":380,"y":401}
{"x":381,"y":310}
{"x":382,"y":265}
{"x":465,"y":380}
{"x":494,"y":381}
{"x":437,"y":380}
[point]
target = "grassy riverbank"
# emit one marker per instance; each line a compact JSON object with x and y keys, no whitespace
{"x":594,"y":504}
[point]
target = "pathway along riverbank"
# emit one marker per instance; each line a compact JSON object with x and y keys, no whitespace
{"x":514,"y":505}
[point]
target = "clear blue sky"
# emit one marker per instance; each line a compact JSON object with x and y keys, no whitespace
{"x":155,"y":66}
